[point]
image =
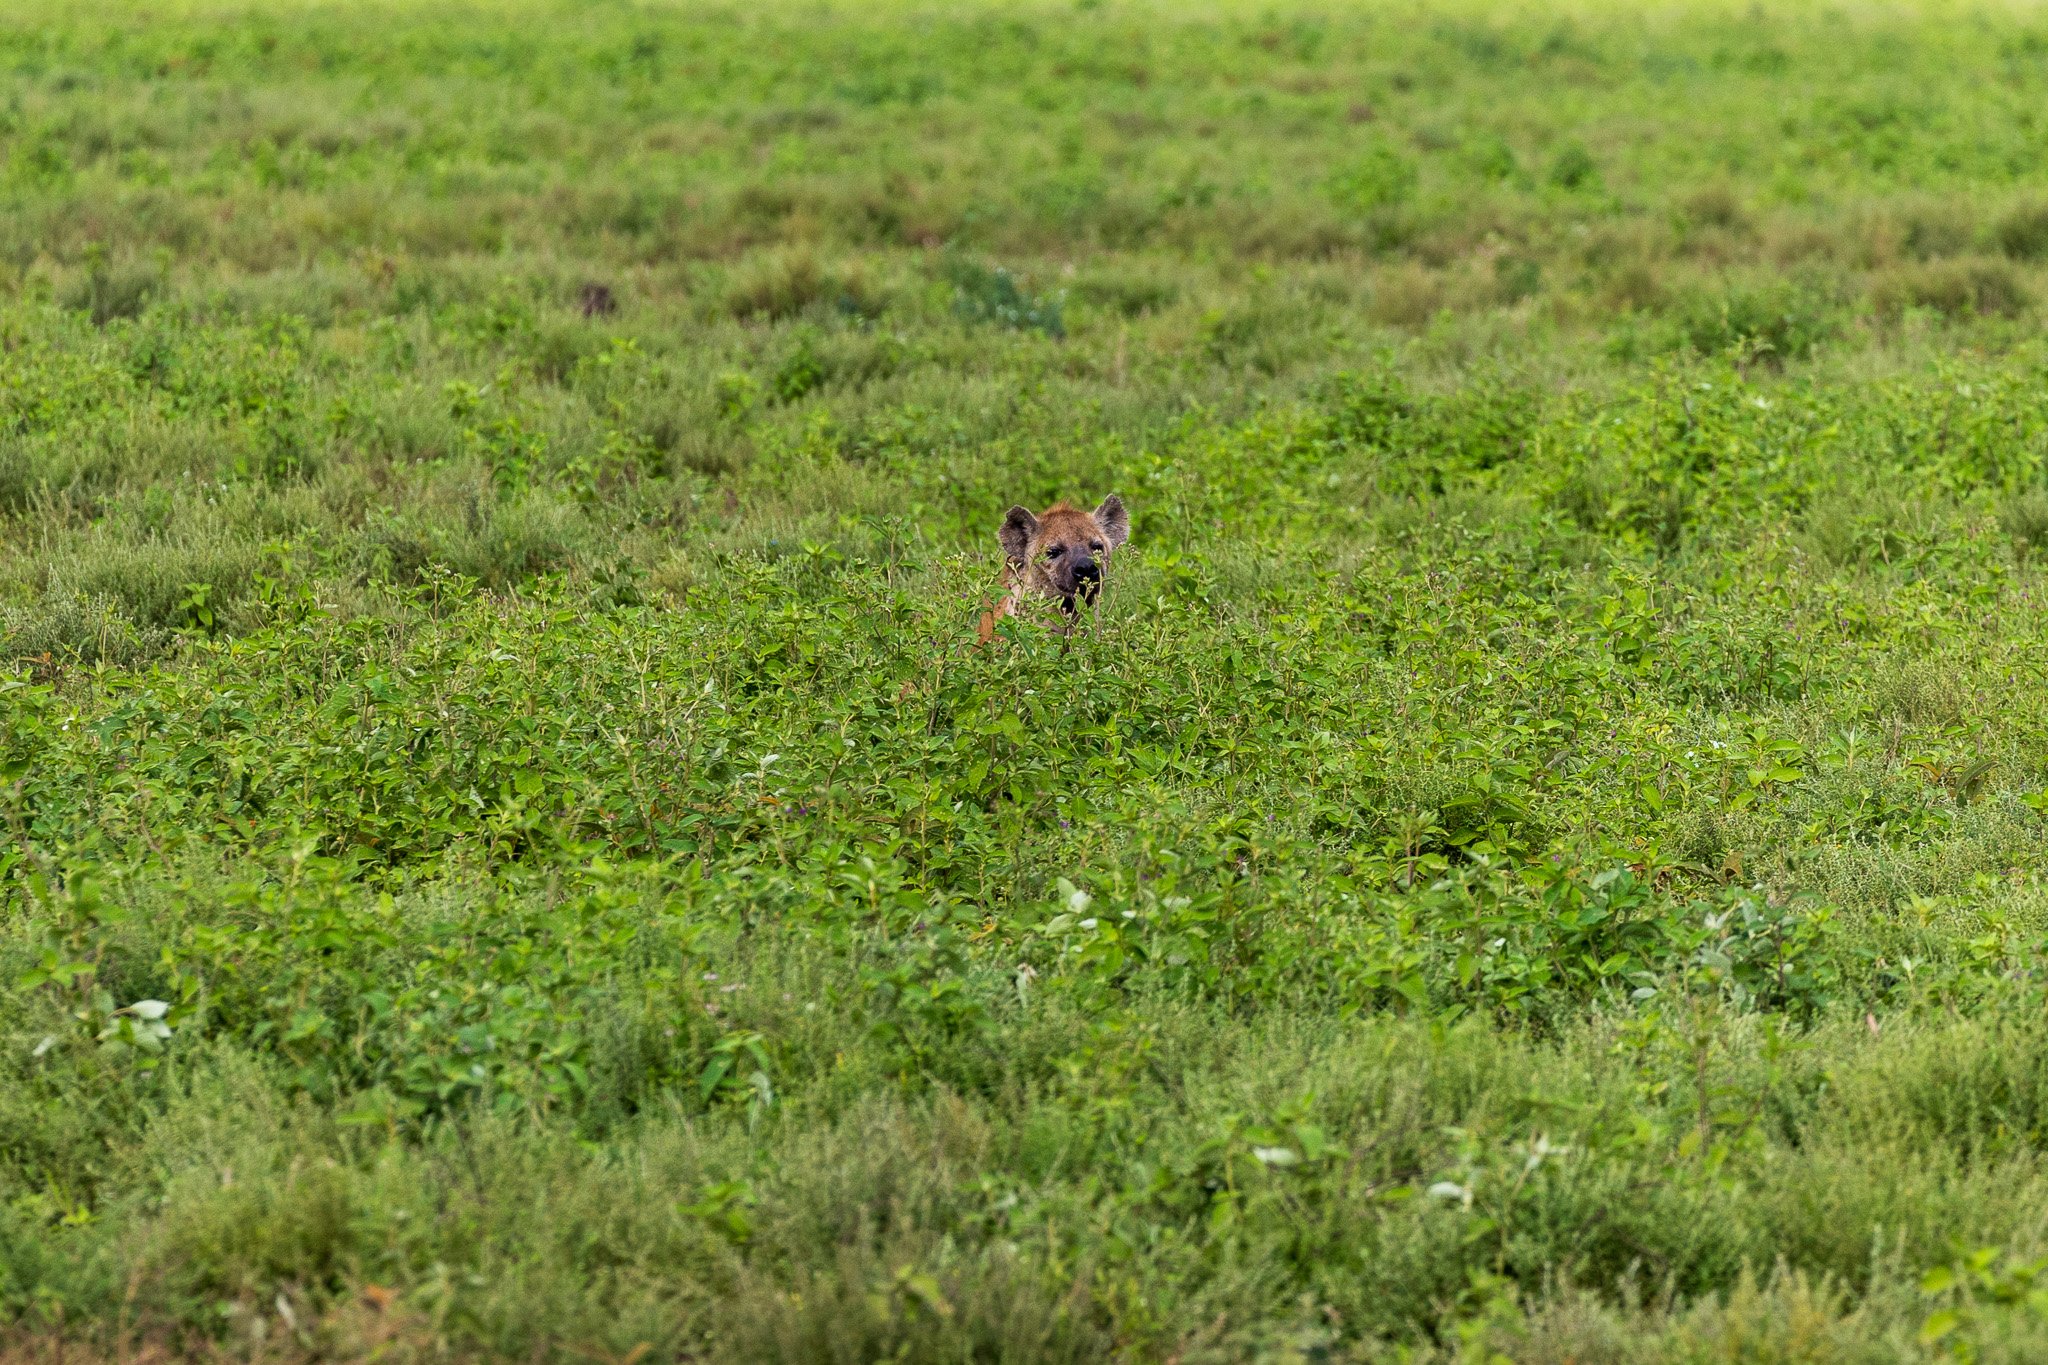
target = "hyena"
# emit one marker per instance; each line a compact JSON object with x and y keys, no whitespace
{"x":1059,"y":556}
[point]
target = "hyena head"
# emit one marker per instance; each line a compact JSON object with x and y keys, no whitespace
{"x":1062,"y":552}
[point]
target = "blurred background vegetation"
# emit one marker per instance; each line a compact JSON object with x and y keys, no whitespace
{"x":521,"y":289}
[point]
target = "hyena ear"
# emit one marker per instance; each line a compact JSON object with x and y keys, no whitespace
{"x":1018,"y":528}
{"x":1114,"y":520}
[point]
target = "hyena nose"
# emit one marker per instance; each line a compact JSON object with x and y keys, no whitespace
{"x":1087,"y":571}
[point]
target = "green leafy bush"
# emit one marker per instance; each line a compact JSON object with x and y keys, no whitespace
{"x":991,"y":294}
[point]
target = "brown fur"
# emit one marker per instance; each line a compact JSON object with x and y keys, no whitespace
{"x":1059,"y":556}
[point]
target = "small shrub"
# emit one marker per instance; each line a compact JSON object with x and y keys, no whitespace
{"x":1633,"y":286}
{"x":734,"y":393}
{"x":857,"y":356}
{"x":2025,"y":518}
{"x":984,"y":294}
{"x":707,"y":450}
{"x":2023,"y":232}
{"x":848,"y":359}
{"x":1604,"y":495}
{"x":1489,"y":157}
{"x":1377,"y":182}
{"x":1408,"y":295}
{"x":782,"y":284}
{"x":1954,"y":289}
{"x":1716,"y":205}
{"x":1926,"y":692}
{"x":1869,"y":526}
{"x":1573,"y":168}
{"x":1371,"y":196}
{"x":1701,"y":835}
{"x":164,"y":586}
{"x":522,"y":540}
{"x":800,"y":373}
{"x":82,"y":628}
{"x":21,"y":476}
{"x":1516,"y":277}
{"x":1935,"y":230}
{"x":1426,"y":443}
{"x":1127,"y":294}
{"x":112,"y":290}
{"x":391,"y":549}
{"x":557,"y":346}
{"x":1779,"y":320}
{"x":1267,"y":333}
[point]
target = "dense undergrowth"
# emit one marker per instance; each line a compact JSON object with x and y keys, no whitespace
{"x":510,"y":848}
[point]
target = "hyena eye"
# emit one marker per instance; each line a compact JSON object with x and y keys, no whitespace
{"x":1055,"y":551}
{"x":1097,"y":547}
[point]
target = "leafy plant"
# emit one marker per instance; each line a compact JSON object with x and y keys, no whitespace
{"x":991,"y":294}
{"x":1974,"y":1288}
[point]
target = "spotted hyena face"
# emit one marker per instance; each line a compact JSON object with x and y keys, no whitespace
{"x":1062,"y":552}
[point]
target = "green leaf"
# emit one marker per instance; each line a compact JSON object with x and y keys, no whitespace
{"x":1938,"y":1325}
{"x":714,"y":1075}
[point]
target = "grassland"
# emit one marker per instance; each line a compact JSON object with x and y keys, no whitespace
{"x":508,"y":851}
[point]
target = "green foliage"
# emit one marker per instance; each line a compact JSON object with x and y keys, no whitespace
{"x":1954,"y":289}
{"x":1379,"y":180}
{"x":985,"y":294}
{"x":1574,"y":168}
{"x":1977,"y":1287}
{"x":108,"y":291}
{"x":510,"y":843}
{"x":1781,"y":320}
{"x":2025,"y":519}
{"x":2023,"y":233}
{"x":783,"y":285}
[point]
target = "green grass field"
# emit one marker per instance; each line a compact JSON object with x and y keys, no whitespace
{"x":509,"y":850}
